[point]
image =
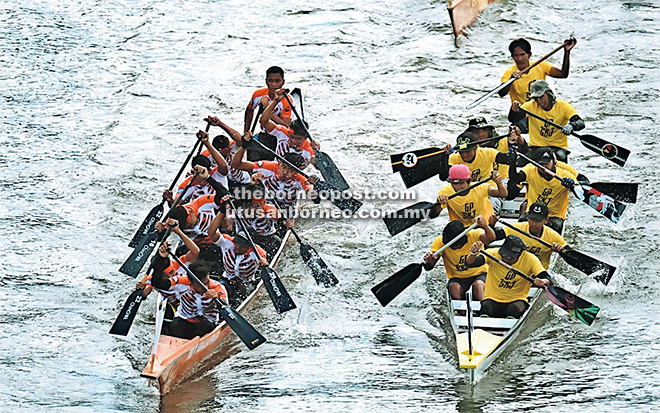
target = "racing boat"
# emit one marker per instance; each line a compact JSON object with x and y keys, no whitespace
{"x":463,"y":13}
{"x":174,"y":359}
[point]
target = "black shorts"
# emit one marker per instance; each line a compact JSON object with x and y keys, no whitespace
{"x":466,"y":283}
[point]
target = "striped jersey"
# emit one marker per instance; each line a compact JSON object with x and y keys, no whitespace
{"x":283,"y":134}
{"x":192,"y":304}
{"x":243,"y":267}
{"x":198,"y":189}
{"x":287,"y":191}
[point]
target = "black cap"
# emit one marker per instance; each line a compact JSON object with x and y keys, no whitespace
{"x":512,"y":248}
{"x":451,"y":231}
{"x":542,"y":155}
{"x":241,"y":240}
{"x":479,"y":123}
{"x":538,"y":211}
{"x":467,"y":141}
{"x":202,"y":161}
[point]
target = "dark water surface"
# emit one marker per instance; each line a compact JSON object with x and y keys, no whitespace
{"x":101,"y":101}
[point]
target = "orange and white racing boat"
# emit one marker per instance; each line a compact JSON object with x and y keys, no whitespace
{"x":174,"y":359}
{"x":463,"y":13}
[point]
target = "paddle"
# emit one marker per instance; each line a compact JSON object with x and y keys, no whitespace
{"x":574,"y":258}
{"x":513,"y":79}
{"x":391,"y":287}
{"x":578,"y":307}
{"x":157,"y":212}
{"x":320,"y":270}
{"x":608,"y":150}
{"x":323,"y":162}
{"x":127,"y":314}
{"x":405,"y":218}
{"x":244,"y":330}
{"x":145,"y":247}
{"x":256,"y":118}
{"x":621,"y":191}
{"x":276,"y":290}
{"x":418,"y":166}
{"x":604,"y":204}
{"x":343,"y":202}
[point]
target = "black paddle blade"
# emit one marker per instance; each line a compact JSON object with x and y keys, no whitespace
{"x":614,"y":153}
{"x":387,"y":290}
{"x":244,"y":330}
{"x":330,"y":172}
{"x":405,"y":218}
{"x":139,"y":256}
{"x":587,"y":264}
{"x":336,"y":197}
{"x":320,"y":269}
{"x":278,"y":294}
{"x":578,"y":307}
{"x":604,"y":204}
{"x":147,"y":225}
{"x":620,"y":191}
{"x":418,"y":166}
{"x":127,"y":314}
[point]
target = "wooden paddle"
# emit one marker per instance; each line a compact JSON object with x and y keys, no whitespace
{"x":244,"y":330}
{"x":513,"y":79}
{"x":418,"y":166}
{"x":127,"y":314}
{"x":608,"y":150}
{"x":320,"y":270}
{"x":405,"y":218}
{"x":325,"y":164}
{"x":574,"y":258}
{"x":145,"y":247}
{"x":578,"y":307}
{"x":388,"y":289}
{"x":274,"y":285}
{"x":603,"y":203}
{"x":157,"y":212}
{"x":345,"y":203}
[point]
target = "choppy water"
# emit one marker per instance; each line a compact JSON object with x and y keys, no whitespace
{"x":101,"y":100}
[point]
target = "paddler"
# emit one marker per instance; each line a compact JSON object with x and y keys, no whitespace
{"x":281,"y":114}
{"x":479,"y":160}
{"x":289,"y":139}
{"x":467,"y":207}
{"x":537,"y":218}
{"x":505,"y":293}
{"x":542,"y":187}
{"x":546,"y":105}
{"x":521,"y":51}
{"x":461,"y":277}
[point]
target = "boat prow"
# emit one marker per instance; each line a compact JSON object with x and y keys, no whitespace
{"x":463,"y":13}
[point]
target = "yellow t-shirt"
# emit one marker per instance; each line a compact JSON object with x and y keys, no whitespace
{"x":466,"y":208}
{"x":542,"y":134}
{"x":520,"y":89}
{"x":567,"y":167}
{"x":551,"y":192}
{"x":454,"y":260}
{"x":503,"y":285}
{"x":502,"y":168}
{"x":541,"y":251}
{"x":482,"y":165}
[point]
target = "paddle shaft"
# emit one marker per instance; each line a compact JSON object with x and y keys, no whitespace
{"x":453,"y":241}
{"x":466,"y":190}
{"x":295,"y":112}
{"x":190,"y":155}
{"x":543,"y":168}
{"x":513,"y":79}
{"x":450,"y":150}
{"x":505,"y":265}
{"x":534,"y":237}
{"x":256,"y":119}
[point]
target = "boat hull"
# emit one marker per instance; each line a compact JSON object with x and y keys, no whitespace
{"x":463,"y":13}
{"x":177,"y":358}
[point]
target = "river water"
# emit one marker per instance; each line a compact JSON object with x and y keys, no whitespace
{"x":101,"y":100}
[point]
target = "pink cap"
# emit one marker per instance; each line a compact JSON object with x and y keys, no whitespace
{"x":458,"y":173}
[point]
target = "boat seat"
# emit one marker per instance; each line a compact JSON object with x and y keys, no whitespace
{"x":487,"y":322}
{"x":462,"y":305}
